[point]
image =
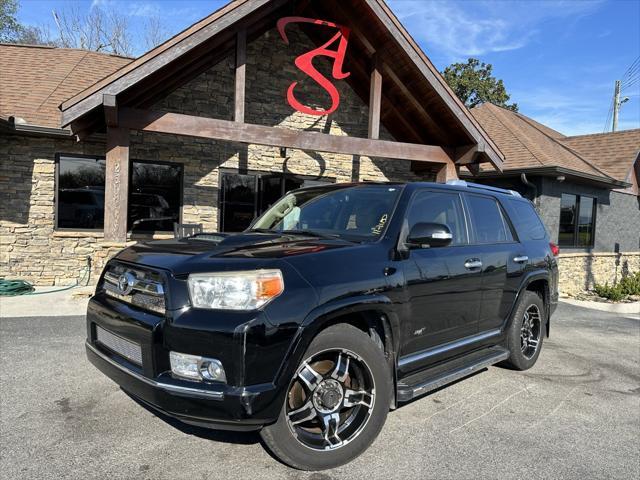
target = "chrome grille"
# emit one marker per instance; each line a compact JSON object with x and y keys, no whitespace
{"x":135,"y":286}
{"x":129,"y":350}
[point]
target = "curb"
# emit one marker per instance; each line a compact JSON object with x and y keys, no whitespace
{"x":632,"y":307}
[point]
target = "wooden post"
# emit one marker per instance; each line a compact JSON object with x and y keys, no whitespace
{"x":447,"y":172}
{"x":116,"y":185}
{"x":241,"y":60}
{"x":375,"y":98}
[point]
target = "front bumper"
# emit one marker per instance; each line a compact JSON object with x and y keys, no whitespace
{"x":214,"y":406}
{"x":238,"y":405}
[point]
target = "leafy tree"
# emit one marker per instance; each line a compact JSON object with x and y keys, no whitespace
{"x":10,"y":29}
{"x":474,"y":84}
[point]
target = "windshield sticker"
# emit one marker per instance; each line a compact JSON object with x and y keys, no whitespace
{"x":380,"y":226}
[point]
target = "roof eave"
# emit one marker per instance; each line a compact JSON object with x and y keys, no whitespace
{"x":608,"y":182}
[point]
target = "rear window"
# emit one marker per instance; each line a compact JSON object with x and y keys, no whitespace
{"x":527,"y":222}
{"x":488,"y":223}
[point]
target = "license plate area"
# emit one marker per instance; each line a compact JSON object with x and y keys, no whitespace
{"x":127,"y":349}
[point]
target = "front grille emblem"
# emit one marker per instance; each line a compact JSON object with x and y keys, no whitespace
{"x":126,"y":281}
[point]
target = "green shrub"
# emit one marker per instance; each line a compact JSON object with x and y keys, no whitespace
{"x":629,"y":285}
{"x":613,"y":292}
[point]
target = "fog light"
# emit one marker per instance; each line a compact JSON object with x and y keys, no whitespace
{"x":195,"y":367}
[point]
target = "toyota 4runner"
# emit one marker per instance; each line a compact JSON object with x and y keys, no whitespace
{"x":338,"y":304}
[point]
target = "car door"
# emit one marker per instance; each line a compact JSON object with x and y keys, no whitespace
{"x":503,"y":261}
{"x":443,"y":283}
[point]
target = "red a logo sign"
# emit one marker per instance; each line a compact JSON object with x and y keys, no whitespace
{"x":305,"y":63}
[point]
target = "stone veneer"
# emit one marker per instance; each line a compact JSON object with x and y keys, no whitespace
{"x":31,"y":248}
{"x":581,"y":271}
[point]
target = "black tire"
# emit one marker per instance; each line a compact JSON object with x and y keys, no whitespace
{"x":522,"y":355}
{"x":341,"y":339}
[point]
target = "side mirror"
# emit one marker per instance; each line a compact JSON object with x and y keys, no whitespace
{"x":429,"y":235}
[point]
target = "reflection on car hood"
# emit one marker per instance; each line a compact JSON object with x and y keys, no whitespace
{"x":181,"y":256}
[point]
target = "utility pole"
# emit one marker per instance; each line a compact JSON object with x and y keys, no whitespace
{"x":616,"y":106}
{"x":617,"y":103}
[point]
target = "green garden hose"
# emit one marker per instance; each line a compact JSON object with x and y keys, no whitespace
{"x":12,"y":288}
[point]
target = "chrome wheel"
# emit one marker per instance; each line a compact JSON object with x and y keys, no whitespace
{"x":330,"y":399}
{"x":530,"y":331}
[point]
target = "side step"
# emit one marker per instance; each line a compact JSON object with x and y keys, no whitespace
{"x":423,"y":382}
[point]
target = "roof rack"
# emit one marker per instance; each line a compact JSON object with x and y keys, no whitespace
{"x":463,"y":183}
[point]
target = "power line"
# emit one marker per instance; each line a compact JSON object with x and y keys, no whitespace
{"x":635,"y":63}
{"x":606,"y":122}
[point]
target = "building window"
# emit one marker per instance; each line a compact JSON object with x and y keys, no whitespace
{"x":245,"y":196}
{"x":80,"y":193}
{"x":155,"y":194}
{"x":577,"y":221}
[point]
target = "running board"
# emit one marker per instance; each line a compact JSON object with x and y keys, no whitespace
{"x":436,"y":377}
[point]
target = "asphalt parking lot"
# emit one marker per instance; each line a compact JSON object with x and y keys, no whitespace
{"x":576,"y":414}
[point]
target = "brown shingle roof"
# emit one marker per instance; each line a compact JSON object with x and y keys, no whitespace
{"x":34,"y":80}
{"x":528,"y":144}
{"x":614,"y":152}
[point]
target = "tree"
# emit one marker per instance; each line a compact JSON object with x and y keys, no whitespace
{"x":100,"y":30}
{"x":474,"y":84}
{"x":9,"y":26}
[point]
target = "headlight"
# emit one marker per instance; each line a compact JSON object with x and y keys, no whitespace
{"x":235,"y":290}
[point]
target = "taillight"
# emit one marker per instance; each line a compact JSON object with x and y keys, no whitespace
{"x":555,"y":249}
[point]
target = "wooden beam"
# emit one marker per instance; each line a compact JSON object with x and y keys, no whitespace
{"x":110,"y":110}
{"x":241,"y":60}
{"x":116,"y":185}
{"x":178,"y":124}
{"x":375,"y":100}
{"x":465,"y":155}
{"x":447,"y":172}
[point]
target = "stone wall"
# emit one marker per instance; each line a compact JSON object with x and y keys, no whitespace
{"x":33,"y":250}
{"x":581,"y":271}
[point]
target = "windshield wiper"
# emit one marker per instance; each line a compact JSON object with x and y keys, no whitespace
{"x":311,"y":233}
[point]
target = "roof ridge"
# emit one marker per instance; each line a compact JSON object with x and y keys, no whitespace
{"x":628,"y":130}
{"x":66,"y":49}
{"x":557,"y":141}
{"x":520,"y":132}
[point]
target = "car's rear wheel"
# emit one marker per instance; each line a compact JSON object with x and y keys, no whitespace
{"x":526,"y":332}
{"x":336,"y":403}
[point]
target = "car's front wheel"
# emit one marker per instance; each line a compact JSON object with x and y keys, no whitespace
{"x":336,"y":403}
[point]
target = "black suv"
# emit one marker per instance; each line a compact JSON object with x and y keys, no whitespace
{"x":339,"y":303}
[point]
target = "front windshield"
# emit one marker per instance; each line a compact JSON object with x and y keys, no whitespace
{"x":359,"y":212}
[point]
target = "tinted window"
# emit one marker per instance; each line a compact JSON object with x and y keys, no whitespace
{"x":156,"y":196}
{"x":577,"y":221}
{"x":488,"y":223}
{"x":80,"y":193}
{"x":438,"y":207}
{"x":527,"y":222}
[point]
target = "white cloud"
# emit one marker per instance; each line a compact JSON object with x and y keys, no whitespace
{"x":459,"y":30}
{"x":144,"y":9}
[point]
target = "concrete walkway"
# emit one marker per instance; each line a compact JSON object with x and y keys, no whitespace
{"x":623,"y":308}
{"x":64,"y":303}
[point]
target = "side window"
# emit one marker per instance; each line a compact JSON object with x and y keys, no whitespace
{"x":439,"y":207}
{"x":487,"y":220}
{"x":527,"y":222}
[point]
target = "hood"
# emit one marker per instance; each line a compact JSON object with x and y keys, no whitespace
{"x":214,"y":252}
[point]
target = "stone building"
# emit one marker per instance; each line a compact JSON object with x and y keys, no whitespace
{"x":585,"y":188}
{"x":200,"y":130}
{"x":99,"y":151}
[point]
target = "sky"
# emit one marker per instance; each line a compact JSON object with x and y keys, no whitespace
{"x":559,"y":59}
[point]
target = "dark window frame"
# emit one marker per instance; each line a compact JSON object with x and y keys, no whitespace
{"x":576,"y":221}
{"x":56,"y":187}
{"x":258,"y":174}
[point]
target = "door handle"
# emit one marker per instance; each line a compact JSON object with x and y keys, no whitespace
{"x":472,"y":263}
{"x":521,"y":259}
